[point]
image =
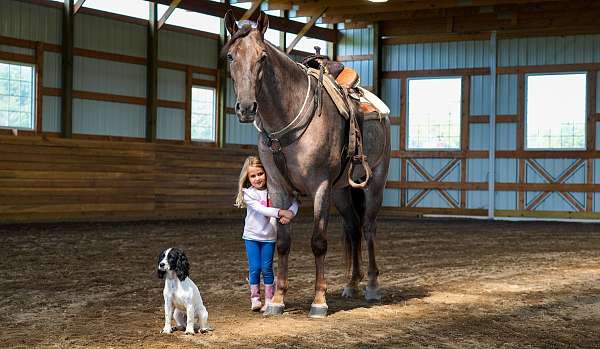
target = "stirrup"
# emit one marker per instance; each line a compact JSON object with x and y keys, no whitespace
{"x":360,"y":160}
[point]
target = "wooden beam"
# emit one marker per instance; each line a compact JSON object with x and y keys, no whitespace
{"x":255,"y":6}
{"x":39,"y":79}
{"x":168,"y":13}
{"x":305,"y":29}
{"x":152,"y":72}
{"x":78,"y":6}
{"x":217,"y":9}
{"x":67,"y":69}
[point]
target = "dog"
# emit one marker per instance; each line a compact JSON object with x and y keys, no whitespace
{"x":182,"y":297}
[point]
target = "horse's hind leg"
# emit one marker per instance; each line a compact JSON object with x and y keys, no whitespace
{"x":351,"y":239}
{"x":373,"y":201}
{"x":322,"y":203}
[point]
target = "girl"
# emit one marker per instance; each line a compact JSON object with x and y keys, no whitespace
{"x":259,"y":228}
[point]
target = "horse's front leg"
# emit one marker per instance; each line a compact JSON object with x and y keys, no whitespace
{"x":322,"y":202}
{"x":284,"y":242}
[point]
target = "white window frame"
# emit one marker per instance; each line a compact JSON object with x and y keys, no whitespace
{"x":526,"y":94}
{"x":215,"y":117}
{"x":460,"y":135}
{"x":33,"y":97}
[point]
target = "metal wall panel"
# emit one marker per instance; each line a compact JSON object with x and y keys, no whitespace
{"x":477,"y":170}
{"x":355,"y":42}
{"x":549,"y":50}
{"x":51,"y":119}
{"x":171,"y":85}
{"x":505,"y":200}
{"x":438,"y":55}
{"x":22,"y":20}
{"x":52,"y":69}
{"x":18,"y":50}
{"x":479,"y":137}
{"x":170,"y":124}
{"x":395,"y":137}
{"x":230,"y":103}
{"x":109,"y":35}
{"x":432,"y":199}
{"x":477,"y":199}
{"x":394,"y":170}
{"x":506,"y":170}
{"x":390,"y":95}
{"x":391,"y":197}
{"x":238,"y":133}
{"x":108,"y":118}
{"x":187,"y":49}
{"x":98,"y":75}
{"x":433,"y":166}
{"x":506,"y":97}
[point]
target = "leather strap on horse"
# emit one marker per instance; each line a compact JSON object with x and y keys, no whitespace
{"x":291,"y":134}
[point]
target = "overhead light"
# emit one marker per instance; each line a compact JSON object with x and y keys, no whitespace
{"x":378,"y":0}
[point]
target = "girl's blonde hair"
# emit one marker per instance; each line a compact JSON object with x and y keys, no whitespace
{"x":244,"y":182}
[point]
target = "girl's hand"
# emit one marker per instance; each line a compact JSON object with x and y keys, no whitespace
{"x":285,"y":216}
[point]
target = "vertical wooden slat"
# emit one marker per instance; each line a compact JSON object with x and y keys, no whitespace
{"x":592,"y":86}
{"x":67,"y":69}
{"x":403,"y":112}
{"x":188,"y":105}
{"x":589,"y":206}
{"x":591,"y":110}
{"x":377,"y":61}
{"x":404,"y":165}
{"x":521,"y":136}
{"x":464,"y":135}
{"x":39,"y":78}
{"x":152,"y":72}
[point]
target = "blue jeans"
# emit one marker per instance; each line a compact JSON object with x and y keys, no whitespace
{"x":260,"y":259}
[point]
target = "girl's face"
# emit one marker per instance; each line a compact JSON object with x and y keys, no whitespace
{"x":257,"y":177}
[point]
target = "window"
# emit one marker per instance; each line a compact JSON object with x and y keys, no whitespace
{"x":556,"y":107}
{"x":203,"y":113}
{"x":16,"y":95}
{"x":434,"y":113}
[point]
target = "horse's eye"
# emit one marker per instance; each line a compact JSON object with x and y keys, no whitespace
{"x":229,"y":57}
{"x":262,"y":57}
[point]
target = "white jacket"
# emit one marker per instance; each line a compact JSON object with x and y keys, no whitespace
{"x":261,"y":219}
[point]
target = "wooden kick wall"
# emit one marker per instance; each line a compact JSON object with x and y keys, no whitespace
{"x":57,"y":179}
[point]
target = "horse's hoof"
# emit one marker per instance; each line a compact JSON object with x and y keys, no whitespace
{"x":274,"y":310}
{"x":372,"y":294}
{"x":318,"y":311}
{"x":349,"y":292}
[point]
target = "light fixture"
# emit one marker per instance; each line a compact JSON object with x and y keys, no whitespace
{"x":378,"y":0}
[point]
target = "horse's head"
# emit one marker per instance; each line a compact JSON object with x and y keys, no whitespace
{"x":246,"y":53}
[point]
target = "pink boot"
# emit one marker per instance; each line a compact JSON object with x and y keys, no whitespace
{"x":269,"y":289}
{"x":255,"y":303}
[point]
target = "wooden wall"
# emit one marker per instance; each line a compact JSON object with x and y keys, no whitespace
{"x":55,"y":179}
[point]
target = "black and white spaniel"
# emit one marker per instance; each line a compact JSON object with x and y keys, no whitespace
{"x":182,"y":297}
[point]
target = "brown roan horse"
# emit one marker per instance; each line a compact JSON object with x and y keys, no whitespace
{"x":273,"y":91}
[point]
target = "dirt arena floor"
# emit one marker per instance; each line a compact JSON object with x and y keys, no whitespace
{"x":446,"y":284}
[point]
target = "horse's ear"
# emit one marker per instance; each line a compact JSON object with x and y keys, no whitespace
{"x":262,"y":23}
{"x":230,"y":23}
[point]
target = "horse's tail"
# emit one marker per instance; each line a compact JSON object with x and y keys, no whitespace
{"x":358,"y":202}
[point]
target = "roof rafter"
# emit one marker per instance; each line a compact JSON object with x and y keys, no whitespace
{"x":306,"y":28}
{"x":168,"y":13}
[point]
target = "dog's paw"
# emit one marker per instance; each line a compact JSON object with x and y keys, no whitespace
{"x":190,"y":331}
{"x":206,"y":330}
{"x":167,"y":329}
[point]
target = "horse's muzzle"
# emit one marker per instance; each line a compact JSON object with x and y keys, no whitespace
{"x":246,"y":111}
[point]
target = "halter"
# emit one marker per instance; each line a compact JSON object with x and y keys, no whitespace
{"x":286,"y":128}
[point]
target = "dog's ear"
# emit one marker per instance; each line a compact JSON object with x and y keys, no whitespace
{"x":160,"y":273}
{"x":182,"y":269}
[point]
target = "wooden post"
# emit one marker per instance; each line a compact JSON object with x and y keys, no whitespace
{"x":222,"y":82}
{"x":67,"y":69}
{"x":492,"y":129}
{"x":377,"y":61}
{"x":152,"y":72}
{"x":39,"y":79}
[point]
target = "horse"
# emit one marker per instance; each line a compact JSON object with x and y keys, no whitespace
{"x":278,"y":96}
